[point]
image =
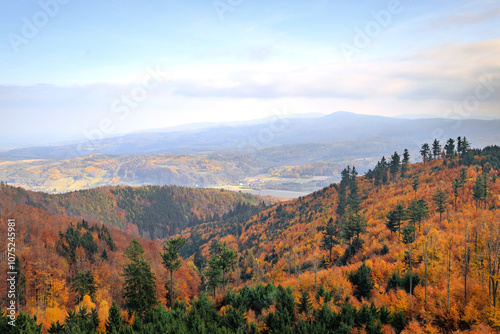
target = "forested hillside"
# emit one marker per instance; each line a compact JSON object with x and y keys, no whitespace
{"x":149,"y":211}
{"x":412,"y":248}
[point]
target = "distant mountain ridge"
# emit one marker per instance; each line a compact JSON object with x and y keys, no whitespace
{"x":339,"y":126}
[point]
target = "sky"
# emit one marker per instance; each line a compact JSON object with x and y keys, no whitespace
{"x":76,"y":70}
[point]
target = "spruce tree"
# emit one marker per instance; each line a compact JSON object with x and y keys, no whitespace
{"x":115,"y":321}
{"x":405,"y":162}
{"x":55,"y":328}
{"x":463,"y":178}
{"x":436,"y":149}
{"x":353,"y":200}
{"x":450,"y":148}
{"x":408,"y":234}
{"x":480,"y":189}
{"x":394,"y":165}
{"x":465,"y":146}
{"x":199,"y":260}
{"x":94,"y":317}
{"x":362,"y":279}
{"x":342,"y":192}
{"x":304,"y":302}
{"x":395,"y":218}
{"x":84,"y":284}
{"x":140,"y":286}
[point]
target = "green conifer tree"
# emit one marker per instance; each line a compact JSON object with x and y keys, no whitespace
{"x":115,"y":320}
{"x":424,"y":152}
{"x":440,"y":199}
{"x":171,"y":260}
{"x":140,"y":286}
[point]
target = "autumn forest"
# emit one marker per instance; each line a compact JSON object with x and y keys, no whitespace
{"x":404,"y":248}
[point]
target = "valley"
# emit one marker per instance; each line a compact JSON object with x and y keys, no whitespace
{"x":305,"y":155}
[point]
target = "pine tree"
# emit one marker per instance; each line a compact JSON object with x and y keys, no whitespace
{"x":354,"y":226}
{"x":415,"y":184}
{"x":405,"y":162}
{"x":84,"y":284}
{"x":450,"y":148}
{"x":140,"y":286}
{"x":395,"y":218}
{"x":199,"y":260}
{"x":436,"y":149}
{"x":455,"y":186}
{"x":227,"y":260}
{"x":331,"y":236}
{"x":418,"y":211}
{"x":463,"y":149}
{"x":20,"y":282}
{"x":463,"y":178}
{"x":408,"y":238}
{"x":104,"y":254}
{"x":408,"y":234}
{"x":465,"y":146}
{"x":480,"y":189}
{"x":440,"y":199}
{"x":213,"y":273}
{"x":115,"y":321}
{"x":342,"y":192}
{"x":171,"y":261}
{"x":353,"y":200}
{"x":394,"y":165}
{"x":363,"y":281}
{"x":424,"y":152}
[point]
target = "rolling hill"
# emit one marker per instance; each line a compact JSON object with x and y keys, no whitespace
{"x":292,"y":155}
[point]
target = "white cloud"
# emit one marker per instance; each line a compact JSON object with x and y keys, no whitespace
{"x":431,"y":82}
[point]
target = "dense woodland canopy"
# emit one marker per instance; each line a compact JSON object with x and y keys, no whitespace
{"x":412,"y":248}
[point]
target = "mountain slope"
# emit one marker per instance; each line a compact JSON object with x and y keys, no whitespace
{"x":284,"y":243}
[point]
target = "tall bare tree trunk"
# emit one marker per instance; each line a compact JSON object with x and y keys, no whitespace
{"x":466,"y":270}
{"x":425,"y":264}
{"x":411,"y":282}
{"x":448,"y":283}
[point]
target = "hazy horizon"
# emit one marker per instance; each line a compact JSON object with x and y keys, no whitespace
{"x":70,"y":69}
{"x":206,"y":125}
